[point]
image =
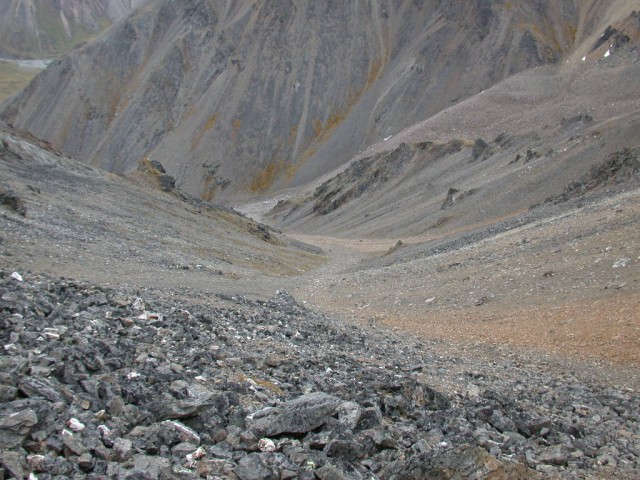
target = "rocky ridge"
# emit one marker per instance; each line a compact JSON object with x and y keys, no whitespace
{"x":544,"y":134}
{"x":102,"y":383}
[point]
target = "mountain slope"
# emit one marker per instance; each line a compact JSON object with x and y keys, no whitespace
{"x":241,"y":97}
{"x":66,"y":218}
{"x":46,"y":28}
{"x":496,"y":155}
{"x":533,"y":136}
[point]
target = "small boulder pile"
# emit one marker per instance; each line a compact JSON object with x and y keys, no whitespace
{"x":97,"y":383}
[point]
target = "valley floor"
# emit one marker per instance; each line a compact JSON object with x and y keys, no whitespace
{"x":566,"y":285}
{"x":560,"y":291}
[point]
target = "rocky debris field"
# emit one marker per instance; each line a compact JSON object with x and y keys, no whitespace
{"x":99,"y":383}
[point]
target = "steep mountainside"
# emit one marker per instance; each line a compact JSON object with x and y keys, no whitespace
{"x":47,"y":28}
{"x":539,"y":137}
{"x":235,"y":97}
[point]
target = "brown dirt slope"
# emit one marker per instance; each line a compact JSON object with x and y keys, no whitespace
{"x":566,"y":285}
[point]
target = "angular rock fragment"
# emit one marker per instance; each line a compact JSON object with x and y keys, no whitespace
{"x":349,"y":414}
{"x":12,"y":201}
{"x":39,"y":463}
{"x":12,"y":464}
{"x":73,"y":443}
{"x":123,"y":449}
{"x":42,"y":387}
{"x":300,"y":415}
{"x":254,"y":467}
{"x":15,"y":426}
{"x":181,"y":409}
{"x":142,"y":467}
{"x":329,"y":472}
{"x":7,"y":393}
{"x":462,"y":463}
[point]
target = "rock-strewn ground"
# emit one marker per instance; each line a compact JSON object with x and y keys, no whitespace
{"x":561,"y":280}
{"x":148,"y":365}
{"x":101,"y":383}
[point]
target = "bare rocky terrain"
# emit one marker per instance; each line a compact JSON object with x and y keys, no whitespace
{"x":170,"y":348}
{"x":47,"y":29}
{"x":246,"y":96}
{"x":457,"y":298}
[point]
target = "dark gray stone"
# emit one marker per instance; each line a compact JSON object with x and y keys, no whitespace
{"x":369,"y":418}
{"x":13,"y":202}
{"x":14,"y":427}
{"x":465,"y":462}
{"x":48,"y":388}
{"x":329,"y":472}
{"x":180,"y":409}
{"x":86,"y":461}
{"x":556,"y":455}
{"x":12,"y":464}
{"x":501,"y":422}
{"x":12,"y":365}
{"x":123,"y":449}
{"x":143,"y":467}
{"x":7,"y":393}
{"x":348,"y":449}
{"x":480,"y":148}
{"x":253,"y":467}
{"x":73,"y":444}
{"x":300,"y":415}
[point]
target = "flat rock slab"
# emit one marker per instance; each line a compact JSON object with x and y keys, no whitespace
{"x":300,"y":415}
{"x":15,"y":426}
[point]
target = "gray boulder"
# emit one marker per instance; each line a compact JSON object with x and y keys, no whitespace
{"x":253,"y":467}
{"x":300,"y":415}
{"x":14,"y":427}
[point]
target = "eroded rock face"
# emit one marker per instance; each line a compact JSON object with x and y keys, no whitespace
{"x":247,"y":95}
{"x":97,"y":382}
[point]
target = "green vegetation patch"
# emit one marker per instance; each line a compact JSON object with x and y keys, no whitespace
{"x":13,"y":78}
